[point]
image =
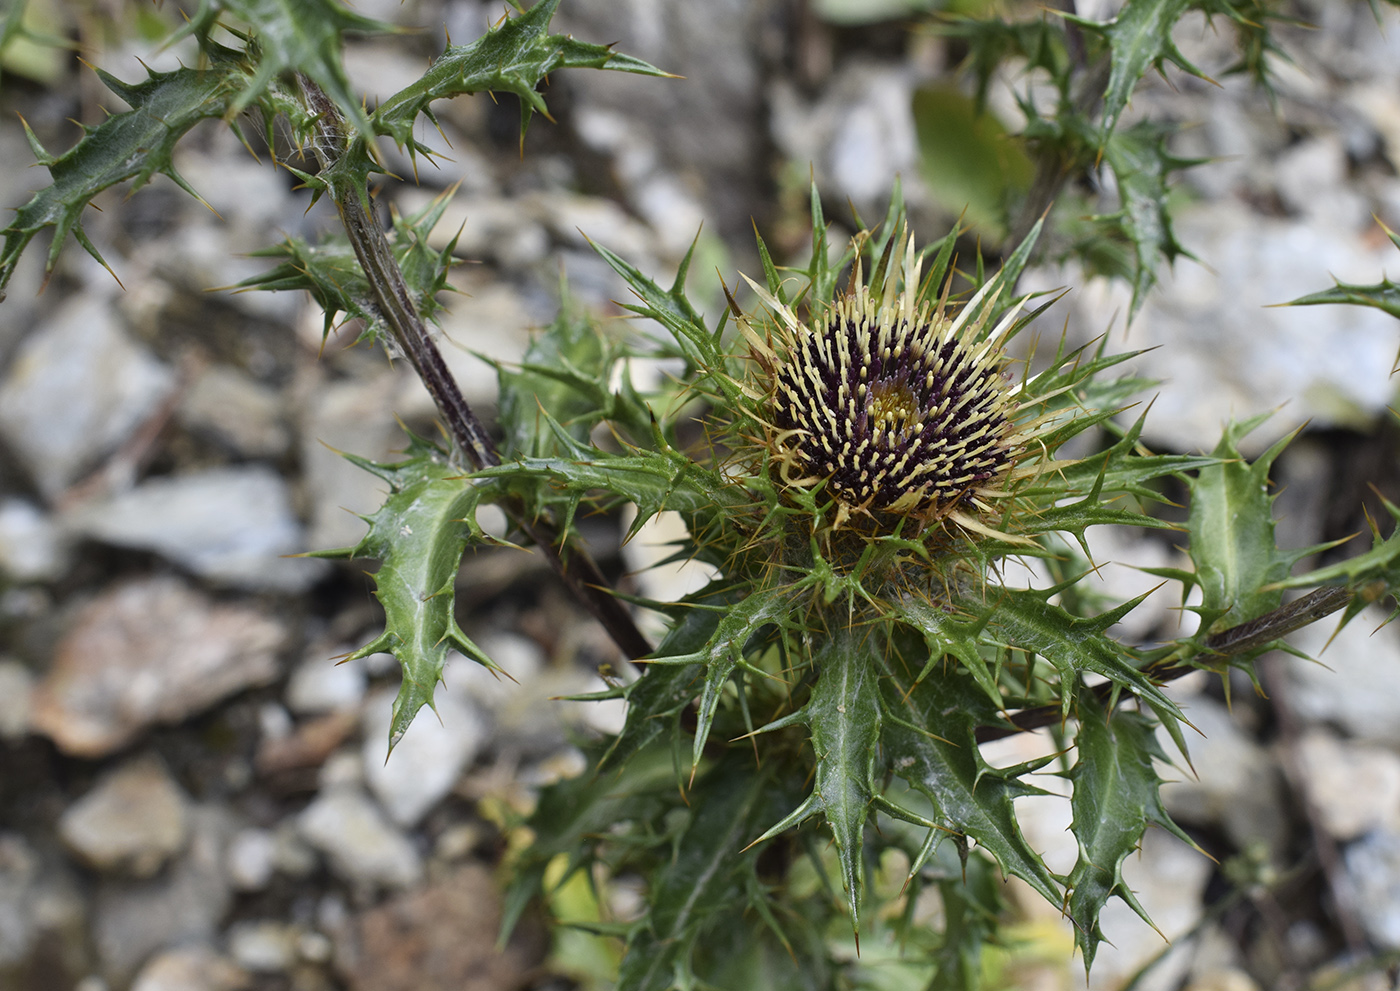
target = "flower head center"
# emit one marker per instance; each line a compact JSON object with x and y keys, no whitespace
{"x":901,"y":413}
{"x":893,"y":410}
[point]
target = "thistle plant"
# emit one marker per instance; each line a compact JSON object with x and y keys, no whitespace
{"x":800,"y":761}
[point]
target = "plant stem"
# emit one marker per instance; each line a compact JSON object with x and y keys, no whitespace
{"x":570,"y":562}
{"x":1239,"y":639}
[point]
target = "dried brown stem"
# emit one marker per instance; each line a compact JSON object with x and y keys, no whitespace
{"x":570,"y":561}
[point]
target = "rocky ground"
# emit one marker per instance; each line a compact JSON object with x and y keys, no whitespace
{"x":194,"y":796}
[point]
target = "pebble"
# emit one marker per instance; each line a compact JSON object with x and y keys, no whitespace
{"x":362,"y":847}
{"x":356,"y":417}
{"x":77,"y":388}
{"x":184,"y":904}
{"x":429,"y":758}
{"x":1373,"y":867}
{"x":308,"y":746}
{"x":246,"y":417}
{"x":16,"y":690}
{"x":264,"y":946}
{"x":31,"y":548}
{"x":19,"y":868}
{"x":131,"y":823}
{"x":321,"y":683}
{"x":440,"y":938}
{"x":1354,"y":788}
{"x":191,"y":968}
{"x":149,"y":651}
{"x":231,"y":525}
{"x":1354,"y":686}
{"x":1236,"y":784}
{"x":290,"y":853}
{"x":252,"y":859}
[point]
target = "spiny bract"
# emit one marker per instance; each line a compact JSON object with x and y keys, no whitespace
{"x":901,"y":406}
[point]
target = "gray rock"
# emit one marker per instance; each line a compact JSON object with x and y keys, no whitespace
{"x":355,"y":417}
{"x":1373,"y":868}
{"x":323,"y":684}
{"x":429,"y":758}
{"x":132,"y":822}
{"x":19,"y":870}
{"x":708,"y":129}
{"x":149,"y":651}
{"x":231,"y":525}
{"x":77,"y":388}
{"x":290,"y":853}
{"x":1354,"y":685}
{"x":1235,"y":785}
{"x":191,"y":968}
{"x":1311,"y":179}
{"x":246,"y":416}
{"x":16,"y":689}
{"x":858,"y":135}
{"x":1354,"y":788}
{"x":264,"y":946}
{"x":184,"y":904}
{"x":363,"y":848}
{"x":252,"y":859}
{"x":491,"y":228}
{"x":1223,"y":350}
{"x":31,"y":548}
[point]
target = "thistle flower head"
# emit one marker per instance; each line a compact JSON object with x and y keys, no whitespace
{"x":898,"y":404}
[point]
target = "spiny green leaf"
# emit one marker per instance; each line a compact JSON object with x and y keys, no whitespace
{"x":1026,"y":620}
{"x":929,"y":739}
{"x":330,"y":272}
{"x":1139,"y":37}
{"x":1238,"y":565}
{"x":713,"y":372}
{"x":1120,"y":470}
{"x":419,"y":535}
{"x":725,"y":649}
{"x":1380,"y":562}
{"x":588,"y":806}
{"x":1141,"y":164}
{"x":948,"y":636}
{"x":992,"y":41}
{"x":705,"y":879}
{"x":845,"y":718}
{"x":567,"y":372}
{"x":1115,"y":799}
{"x":656,"y":700}
{"x":133,"y":145}
{"x":305,"y":36}
{"x":513,"y":57}
{"x":1384,"y":295}
{"x":653,"y":480}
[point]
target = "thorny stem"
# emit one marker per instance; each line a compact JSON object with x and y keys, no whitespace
{"x":1239,"y":639}
{"x":395,"y":305}
{"x":1053,"y":168}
